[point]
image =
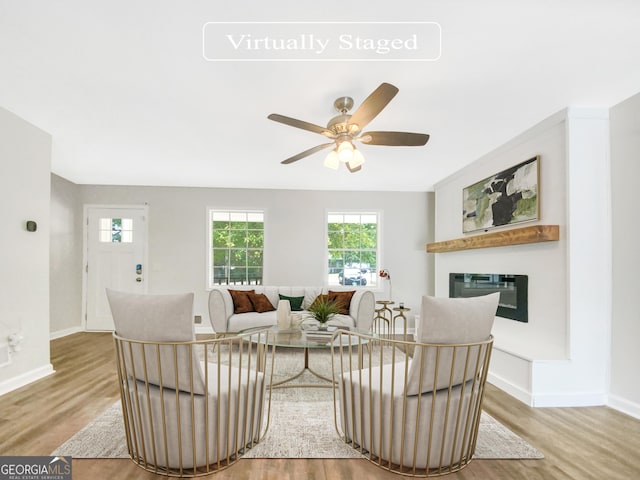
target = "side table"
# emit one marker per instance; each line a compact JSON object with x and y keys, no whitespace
{"x":383,"y":315}
{"x":400,"y":315}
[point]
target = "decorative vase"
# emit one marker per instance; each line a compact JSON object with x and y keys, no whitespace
{"x":323,"y":326}
{"x":282,"y":315}
{"x":296,"y":319}
{"x":384,"y":273}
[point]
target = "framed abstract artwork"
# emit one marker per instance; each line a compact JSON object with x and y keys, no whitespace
{"x":508,"y":197}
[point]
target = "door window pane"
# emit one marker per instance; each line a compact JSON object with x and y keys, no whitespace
{"x":115,"y":230}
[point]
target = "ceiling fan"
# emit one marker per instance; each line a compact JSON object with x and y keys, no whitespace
{"x":345,"y":129}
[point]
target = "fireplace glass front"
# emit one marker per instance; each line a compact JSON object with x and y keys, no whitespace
{"x":512,"y":288}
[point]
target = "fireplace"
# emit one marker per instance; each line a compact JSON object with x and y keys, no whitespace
{"x":512,"y":288}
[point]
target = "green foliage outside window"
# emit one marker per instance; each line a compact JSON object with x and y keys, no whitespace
{"x":352,"y":242}
{"x":237,"y":240}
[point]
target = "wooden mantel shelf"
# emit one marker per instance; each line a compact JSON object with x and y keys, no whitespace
{"x":515,"y":236}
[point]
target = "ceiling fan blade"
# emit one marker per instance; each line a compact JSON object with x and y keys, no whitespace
{"x":306,"y":153}
{"x":396,"y":139}
{"x":373,"y":105}
{"x":354,"y":169}
{"x":292,"y":122}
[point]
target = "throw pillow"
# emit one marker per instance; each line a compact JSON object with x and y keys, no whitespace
{"x":342,"y":299}
{"x":457,"y":320}
{"x":320,"y":298}
{"x":260,"y":302}
{"x":295,"y":302}
{"x":241,"y":301}
{"x":449,"y":321}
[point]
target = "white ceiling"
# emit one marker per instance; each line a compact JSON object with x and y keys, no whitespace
{"x":124,"y":90}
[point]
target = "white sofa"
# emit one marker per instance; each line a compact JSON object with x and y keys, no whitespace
{"x":224,"y":320}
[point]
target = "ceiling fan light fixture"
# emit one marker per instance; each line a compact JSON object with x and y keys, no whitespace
{"x":345,"y":151}
{"x":332,"y":161}
{"x":345,"y":128}
{"x":357,"y":159}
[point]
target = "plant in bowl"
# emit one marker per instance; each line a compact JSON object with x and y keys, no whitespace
{"x":322,"y":309}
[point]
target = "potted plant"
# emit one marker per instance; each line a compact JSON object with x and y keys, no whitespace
{"x":322,"y":309}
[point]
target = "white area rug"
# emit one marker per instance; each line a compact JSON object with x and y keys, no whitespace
{"x":301,"y":426}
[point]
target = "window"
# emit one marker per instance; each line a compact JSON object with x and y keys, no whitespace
{"x":116,"y":230}
{"x":352,"y":246}
{"x":236,"y":247}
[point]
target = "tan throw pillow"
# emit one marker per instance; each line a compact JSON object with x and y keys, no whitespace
{"x":342,"y":299}
{"x":159,"y":318}
{"x":449,"y":321}
{"x":260,"y":302}
{"x":241,"y":301}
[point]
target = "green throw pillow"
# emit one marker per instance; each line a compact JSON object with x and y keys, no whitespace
{"x":296,"y":302}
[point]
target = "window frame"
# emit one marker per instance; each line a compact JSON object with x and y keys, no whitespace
{"x":209,"y":272}
{"x":374,"y":274}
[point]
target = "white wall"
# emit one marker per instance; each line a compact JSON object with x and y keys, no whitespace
{"x":25,"y":165}
{"x":560,"y":356}
{"x":625,"y":331}
{"x":545,"y":335}
{"x":295,"y":238}
{"x":584,"y":377}
{"x":66,"y":257}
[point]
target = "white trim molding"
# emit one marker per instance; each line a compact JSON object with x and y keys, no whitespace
{"x":65,"y":332}
{"x":511,"y":388}
{"x":26,"y":378}
{"x":623,"y":405}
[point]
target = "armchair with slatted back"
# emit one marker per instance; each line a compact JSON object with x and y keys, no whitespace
{"x":190,"y":407}
{"x":414,"y":407}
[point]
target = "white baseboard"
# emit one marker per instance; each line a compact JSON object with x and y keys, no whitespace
{"x":585,"y":399}
{"x":513,"y":390}
{"x":64,"y":333}
{"x":624,"y":405}
{"x":26,"y":378}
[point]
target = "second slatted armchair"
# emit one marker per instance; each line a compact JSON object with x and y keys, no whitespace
{"x":414,"y":407}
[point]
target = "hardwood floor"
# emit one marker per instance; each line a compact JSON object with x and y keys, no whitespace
{"x":578,"y":443}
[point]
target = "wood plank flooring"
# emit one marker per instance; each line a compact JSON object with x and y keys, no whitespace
{"x":579,"y":443}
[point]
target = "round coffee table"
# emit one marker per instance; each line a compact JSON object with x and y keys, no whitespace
{"x":306,"y":339}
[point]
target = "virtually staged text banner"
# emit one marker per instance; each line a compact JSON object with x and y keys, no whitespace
{"x":321,"y":41}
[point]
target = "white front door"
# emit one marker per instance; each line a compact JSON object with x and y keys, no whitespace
{"x":116,"y":245}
